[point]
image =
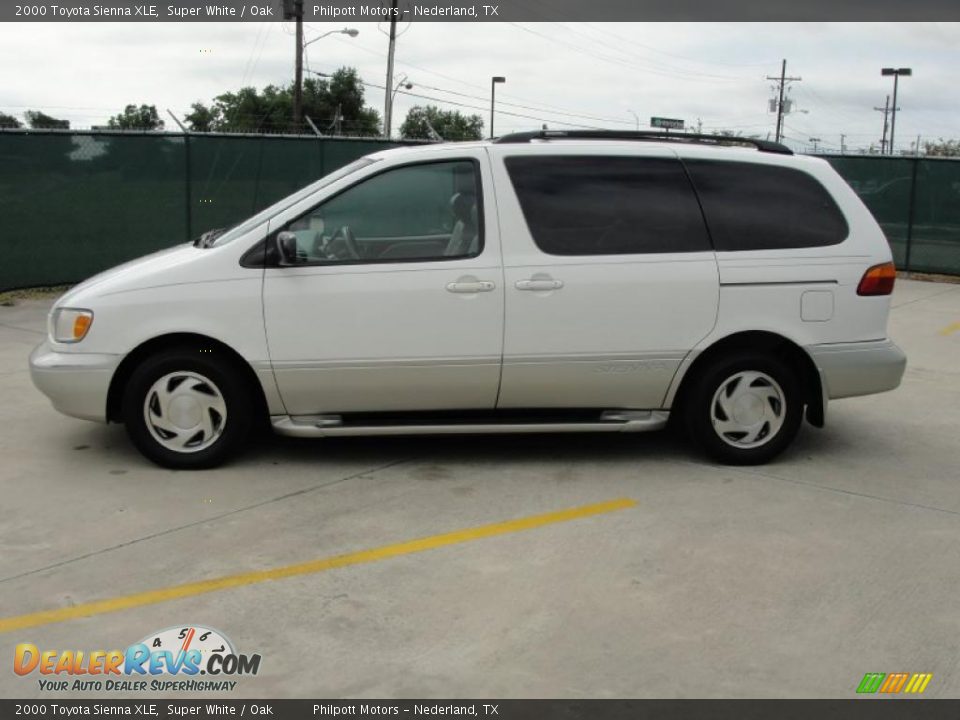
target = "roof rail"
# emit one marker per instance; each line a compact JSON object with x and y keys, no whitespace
{"x":649,"y":135}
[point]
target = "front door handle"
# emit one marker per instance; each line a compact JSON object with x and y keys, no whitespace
{"x":472,"y":286}
{"x":538,"y":284}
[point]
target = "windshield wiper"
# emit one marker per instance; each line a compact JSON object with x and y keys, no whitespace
{"x":207,"y":239}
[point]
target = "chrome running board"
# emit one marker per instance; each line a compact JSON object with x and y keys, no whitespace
{"x":333,"y":426}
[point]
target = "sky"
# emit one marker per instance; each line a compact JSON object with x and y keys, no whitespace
{"x":564,"y":74}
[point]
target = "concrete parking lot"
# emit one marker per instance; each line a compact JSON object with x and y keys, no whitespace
{"x":789,"y":580}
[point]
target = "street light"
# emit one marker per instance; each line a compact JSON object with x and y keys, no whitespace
{"x":896,"y":72}
{"x":493,"y":94}
{"x":298,"y":73}
{"x":406,"y":85}
{"x":635,"y":117}
{"x":352,"y":32}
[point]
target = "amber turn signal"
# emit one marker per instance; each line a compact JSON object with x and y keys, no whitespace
{"x":80,"y":326}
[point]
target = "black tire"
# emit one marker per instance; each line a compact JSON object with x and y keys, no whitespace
{"x":194,"y":364}
{"x":699,"y":408}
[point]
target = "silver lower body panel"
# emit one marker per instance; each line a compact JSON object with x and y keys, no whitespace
{"x":331,"y":426}
{"x":858,"y":368}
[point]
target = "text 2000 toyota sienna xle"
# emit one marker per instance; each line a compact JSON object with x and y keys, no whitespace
{"x":543,"y":282}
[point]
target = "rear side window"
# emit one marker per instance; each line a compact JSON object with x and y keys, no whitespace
{"x":765,"y":207}
{"x":586,"y":205}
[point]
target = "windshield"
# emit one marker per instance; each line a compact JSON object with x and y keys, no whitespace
{"x":278,"y":207}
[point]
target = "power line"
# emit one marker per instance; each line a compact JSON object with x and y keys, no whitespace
{"x":656,"y":65}
{"x":543,"y":107}
{"x":528,"y":107}
{"x":680,"y":75}
{"x":482,"y":109}
{"x":679,"y":57}
{"x":550,"y":13}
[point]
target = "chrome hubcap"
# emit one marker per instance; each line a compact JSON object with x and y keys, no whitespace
{"x":185,"y":412}
{"x":748,"y":409}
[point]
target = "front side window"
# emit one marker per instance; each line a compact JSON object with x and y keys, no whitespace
{"x":750,"y":206}
{"x":428,"y":211}
{"x":278,"y":207}
{"x":604,"y":205}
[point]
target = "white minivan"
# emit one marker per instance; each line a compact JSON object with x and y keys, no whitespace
{"x":541,"y":282}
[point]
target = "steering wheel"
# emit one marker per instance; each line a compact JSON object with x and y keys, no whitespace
{"x":349,"y":241}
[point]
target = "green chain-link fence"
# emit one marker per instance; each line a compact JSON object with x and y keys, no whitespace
{"x":75,"y":203}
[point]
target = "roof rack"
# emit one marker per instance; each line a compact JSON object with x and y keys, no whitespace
{"x":649,"y":135}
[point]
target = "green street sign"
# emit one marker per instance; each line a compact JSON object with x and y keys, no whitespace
{"x":667,"y":123}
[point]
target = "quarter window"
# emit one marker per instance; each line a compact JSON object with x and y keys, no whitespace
{"x":416,"y":212}
{"x":749,"y":206}
{"x":587,"y":205}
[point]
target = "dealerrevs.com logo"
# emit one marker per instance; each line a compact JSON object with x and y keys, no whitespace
{"x":169,"y":660}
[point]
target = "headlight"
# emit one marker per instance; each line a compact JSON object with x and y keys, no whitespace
{"x":70,"y":325}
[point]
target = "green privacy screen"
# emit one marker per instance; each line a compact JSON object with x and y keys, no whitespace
{"x":72,"y":205}
{"x":75,"y":203}
{"x":917,"y":202}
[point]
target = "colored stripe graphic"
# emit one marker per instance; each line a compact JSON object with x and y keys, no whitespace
{"x":918,"y":683}
{"x":894,"y":682}
{"x":871,"y":682}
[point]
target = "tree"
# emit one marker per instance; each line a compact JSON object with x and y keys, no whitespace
{"x":37,"y":119}
{"x":144,"y":117}
{"x":345,"y":96}
{"x":202,"y":118}
{"x":448,"y":124}
{"x":942,"y":148}
{"x":335,"y":105}
{"x":9,"y":121}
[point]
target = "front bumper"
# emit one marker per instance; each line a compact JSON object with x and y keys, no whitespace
{"x":858,"y":368}
{"x":76,"y":383}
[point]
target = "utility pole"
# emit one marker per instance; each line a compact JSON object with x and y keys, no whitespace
{"x":843,"y":144}
{"x":781,"y":88}
{"x":388,"y":86}
{"x":886,"y":112}
{"x":298,"y":72}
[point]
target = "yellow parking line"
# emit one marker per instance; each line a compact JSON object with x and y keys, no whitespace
{"x":949,"y":329}
{"x":176,"y":592}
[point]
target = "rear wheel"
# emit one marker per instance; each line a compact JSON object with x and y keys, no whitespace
{"x":745,"y":409}
{"x":187,"y":408}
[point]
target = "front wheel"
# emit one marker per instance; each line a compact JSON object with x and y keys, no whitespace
{"x":745,"y":409}
{"x":188,"y":409}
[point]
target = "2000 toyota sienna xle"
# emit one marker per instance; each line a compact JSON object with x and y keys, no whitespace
{"x":542,"y":282}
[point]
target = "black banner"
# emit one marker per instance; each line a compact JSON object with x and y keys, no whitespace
{"x":872,"y":709}
{"x":470,"y":11}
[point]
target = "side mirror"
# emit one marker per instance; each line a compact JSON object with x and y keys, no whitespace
{"x":286,"y":248}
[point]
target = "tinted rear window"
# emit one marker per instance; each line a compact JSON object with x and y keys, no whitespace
{"x":765,"y":207}
{"x":586,"y":205}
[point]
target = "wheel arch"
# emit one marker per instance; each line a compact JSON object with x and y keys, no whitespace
{"x":768,"y":342}
{"x":121,"y":376}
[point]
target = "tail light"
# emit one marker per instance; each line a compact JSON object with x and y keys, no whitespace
{"x":878,"y":280}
